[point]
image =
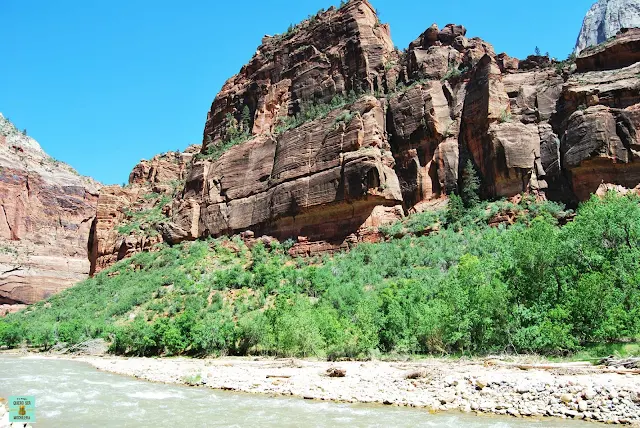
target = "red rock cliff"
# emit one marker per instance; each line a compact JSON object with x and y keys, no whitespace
{"x":46,"y":212}
{"x":329,"y":131}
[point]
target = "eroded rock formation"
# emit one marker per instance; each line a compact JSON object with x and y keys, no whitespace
{"x":340,"y":133}
{"x":46,"y":211}
{"x":127,"y":218}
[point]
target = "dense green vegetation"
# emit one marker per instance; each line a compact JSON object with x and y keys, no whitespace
{"x":462,"y":287}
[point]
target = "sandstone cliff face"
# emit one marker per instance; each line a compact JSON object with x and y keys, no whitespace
{"x":320,"y":180}
{"x":127,"y":219}
{"x":342,"y":133}
{"x":334,"y":52}
{"x":46,"y":211}
{"x":605,"y":19}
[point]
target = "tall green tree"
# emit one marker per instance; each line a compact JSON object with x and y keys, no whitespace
{"x":470,"y":191}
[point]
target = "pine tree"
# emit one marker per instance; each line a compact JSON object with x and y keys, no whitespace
{"x":246,"y":118}
{"x":455,"y":209}
{"x":470,"y":185}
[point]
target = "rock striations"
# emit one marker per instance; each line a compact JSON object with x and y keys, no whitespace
{"x":605,"y":19}
{"x":46,"y":212}
{"x":127,"y":219}
{"x":329,"y":131}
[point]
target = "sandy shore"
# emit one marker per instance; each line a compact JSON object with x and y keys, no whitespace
{"x":436,"y":384}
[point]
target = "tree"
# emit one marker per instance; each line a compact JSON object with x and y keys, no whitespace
{"x":246,"y":118}
{"x":537,"y":51}
{"x":470,"y":185}
{"x":455,"y":209}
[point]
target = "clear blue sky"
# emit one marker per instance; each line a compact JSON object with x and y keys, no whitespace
{"x":103,"y":84}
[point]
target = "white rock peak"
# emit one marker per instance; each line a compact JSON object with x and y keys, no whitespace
{"x":605,"y":19}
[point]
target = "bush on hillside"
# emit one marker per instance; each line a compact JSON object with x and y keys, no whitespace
{"x":465,"y":288}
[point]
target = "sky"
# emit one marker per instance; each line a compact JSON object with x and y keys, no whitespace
{"x":104,"y":84}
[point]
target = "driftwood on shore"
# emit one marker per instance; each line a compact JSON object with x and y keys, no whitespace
{"x":546,"y":366}
{"x":577,"y":365}
{"x":627,"y":363}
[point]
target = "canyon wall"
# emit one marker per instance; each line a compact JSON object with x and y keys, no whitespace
{"x":329,"y":132}
{"x":326,"y":134}
{"x":46,"y":213}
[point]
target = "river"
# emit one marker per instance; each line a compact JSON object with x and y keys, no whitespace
{"x":74,"y":394}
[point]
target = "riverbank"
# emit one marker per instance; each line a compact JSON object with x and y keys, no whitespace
{"x":481,"y":386}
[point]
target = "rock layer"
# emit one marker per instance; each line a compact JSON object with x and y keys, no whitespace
{"x":46,"y":211}
{"x":126,"y":218}
{"x":319,"y":180}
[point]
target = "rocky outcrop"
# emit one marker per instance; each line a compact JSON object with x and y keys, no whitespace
{"x":128,"y":218}
{"x":605,"y":19}
{"x":334,"y":52}
{"x":618,"y":52}
{"x":321,"y":180}
{"x":597,"y":118}
{"x":330,"y":132}
{"x":46,"y":212}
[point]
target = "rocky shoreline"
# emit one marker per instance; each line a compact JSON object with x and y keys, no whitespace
{"x":474,"y":386}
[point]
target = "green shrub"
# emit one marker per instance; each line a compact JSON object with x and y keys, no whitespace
{"x":315,"y":110}
{"x":505,"y":116}
{"x":463,"y":288}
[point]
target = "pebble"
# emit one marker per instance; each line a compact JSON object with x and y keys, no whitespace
{"x":451,"y":381}
{"x":566,"y":398}
{"x":481,"y":383}
{"x":583,"y":406}
{"x":513,"y":412}
{"x":571,"y":413}
{"x":448,"y":398}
